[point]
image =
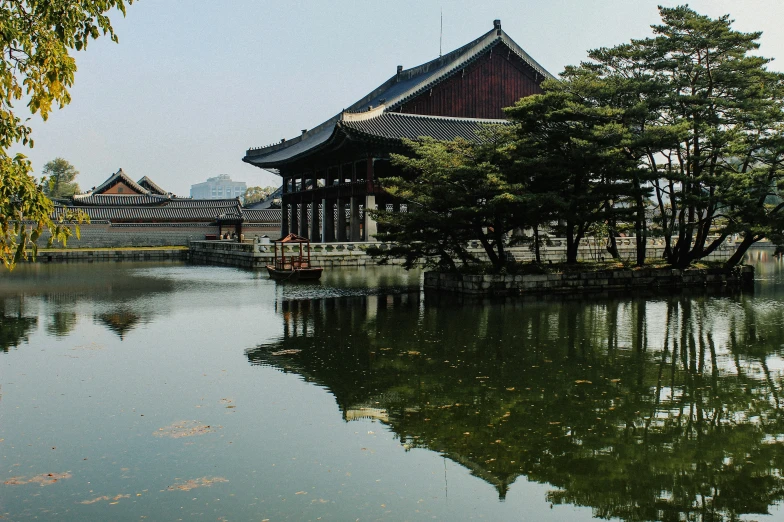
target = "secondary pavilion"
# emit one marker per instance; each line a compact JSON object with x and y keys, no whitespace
{"x":329,"y":172}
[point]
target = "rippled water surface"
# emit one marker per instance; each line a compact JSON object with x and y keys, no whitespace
{"x":166,"y":392}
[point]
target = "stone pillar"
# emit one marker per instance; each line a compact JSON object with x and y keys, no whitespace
{"x":315,"y":222}
{"x":284,"y":220}
{"x":354,"y":219}
{"x":303,"y":221}
{"x":341,"y":232}
{"x":370,"y":223}
{"x":328,"y":222}
{"x":294,"y":225}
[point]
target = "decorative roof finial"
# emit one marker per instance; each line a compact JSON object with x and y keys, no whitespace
{"x":497,"y":25}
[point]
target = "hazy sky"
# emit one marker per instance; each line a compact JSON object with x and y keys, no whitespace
{"x":194,"y":83}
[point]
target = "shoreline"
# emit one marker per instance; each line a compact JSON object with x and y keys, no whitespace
{"x":89,"y":255}
{"x":610,"y":280}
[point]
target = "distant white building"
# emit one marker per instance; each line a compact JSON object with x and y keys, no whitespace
{"x":219,"y":187}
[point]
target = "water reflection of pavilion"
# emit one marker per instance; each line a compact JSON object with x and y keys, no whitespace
{"x":643,"y":410}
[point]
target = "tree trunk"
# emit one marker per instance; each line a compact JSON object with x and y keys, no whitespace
{"x":737,"y":257}
{"x":537,"y":255}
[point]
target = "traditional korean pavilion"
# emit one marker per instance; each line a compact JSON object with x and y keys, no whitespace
{"x":124,"y":212}
{"x":330,"y":172}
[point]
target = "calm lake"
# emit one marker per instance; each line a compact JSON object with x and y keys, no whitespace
{"x":174,"y":392}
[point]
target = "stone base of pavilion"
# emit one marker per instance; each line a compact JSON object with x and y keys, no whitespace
{"x":248,"y":254}
{"x":620,"y":281}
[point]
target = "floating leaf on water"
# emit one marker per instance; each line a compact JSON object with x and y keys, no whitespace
{"x":203,"y":482}
{"x":113,"y":499}
{"x":44,"y":479}
{"x":291,"y":351}
{"x":580,"y":381}
{"x":181,"y":429}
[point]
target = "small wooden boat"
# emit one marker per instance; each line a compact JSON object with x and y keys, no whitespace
{"x":296,"y":267}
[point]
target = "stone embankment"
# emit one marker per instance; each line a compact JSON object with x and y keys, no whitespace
{"x":255,"y":255}
{"x":248,"y":254}
{"x":112,"y":254}
{"x":585,"y":282}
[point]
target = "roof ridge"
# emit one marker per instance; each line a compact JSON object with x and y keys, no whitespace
{"x":455,"y":118}
{"x":155,"y":188}
{"x":120,"y":175}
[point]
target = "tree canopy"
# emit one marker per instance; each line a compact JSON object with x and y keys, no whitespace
{"x":61,"y":175}
{"x":36,"y":66}
{"x":676,"y":136}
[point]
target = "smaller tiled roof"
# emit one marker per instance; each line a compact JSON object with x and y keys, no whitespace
{"x":292,"y":238}
{"x":92,"y":199}
{"x":152,"y":213}
{"x":396,"y":126}
{"x":151,"y":186}
{"x":188,"y":202}
{"x":118,"y":177}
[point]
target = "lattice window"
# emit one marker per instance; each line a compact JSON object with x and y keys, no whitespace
{"x":403,"y":207}
{"x":361,"y":211}
{"x":390,"y":207}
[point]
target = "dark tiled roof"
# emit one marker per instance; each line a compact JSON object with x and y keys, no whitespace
{"x":391,"y":94}
{"x":118,"y":177}
{"x":153,"y":213}
{"x":187,"y":202}
{"x":151,"y":186}
{"x":267,"y":215}
{"x":93,"y":199}
{"x":395,"y":126}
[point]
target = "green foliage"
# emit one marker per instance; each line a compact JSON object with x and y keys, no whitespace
{"x":455,"y":192}
{"x":677,"y":135}
{"x":61,"y":176}
{"x":707,"y":115}
{"x":569,"y":155}
{"x":37,"y":39}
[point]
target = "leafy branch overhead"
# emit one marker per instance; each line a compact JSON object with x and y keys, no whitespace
{"x":37,"y":39}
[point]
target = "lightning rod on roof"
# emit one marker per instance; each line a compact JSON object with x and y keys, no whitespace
{"x":441,"y":34}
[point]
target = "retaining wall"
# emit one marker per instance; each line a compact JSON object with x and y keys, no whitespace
{"x":140,"y":254}
{"x":598,"y":281}
{"x":249,"y":254}
{"x":103,"y":234}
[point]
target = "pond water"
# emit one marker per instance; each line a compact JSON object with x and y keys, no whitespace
{"x":172,"y":392}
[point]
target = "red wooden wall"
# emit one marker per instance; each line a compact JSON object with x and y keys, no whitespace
{"x":494,"y":81}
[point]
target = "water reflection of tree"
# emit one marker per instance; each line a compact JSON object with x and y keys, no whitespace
{"x":14,"y":326}
{"x":61,"y":323}
{"x":120,"y":321}
{"x":644,"y":410}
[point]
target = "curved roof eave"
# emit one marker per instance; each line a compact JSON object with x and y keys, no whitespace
{"x":391,"y":94}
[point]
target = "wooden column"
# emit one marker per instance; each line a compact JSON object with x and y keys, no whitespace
{"x":370,"y":223}
{"x":304,"y":220}
{"x":354,"y":219}
{"x":328,"y":223}
{"x":294,"y":225}
{"x":315,"y":222}
{"x":341,"y":232}
{"x":284,"y":219}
